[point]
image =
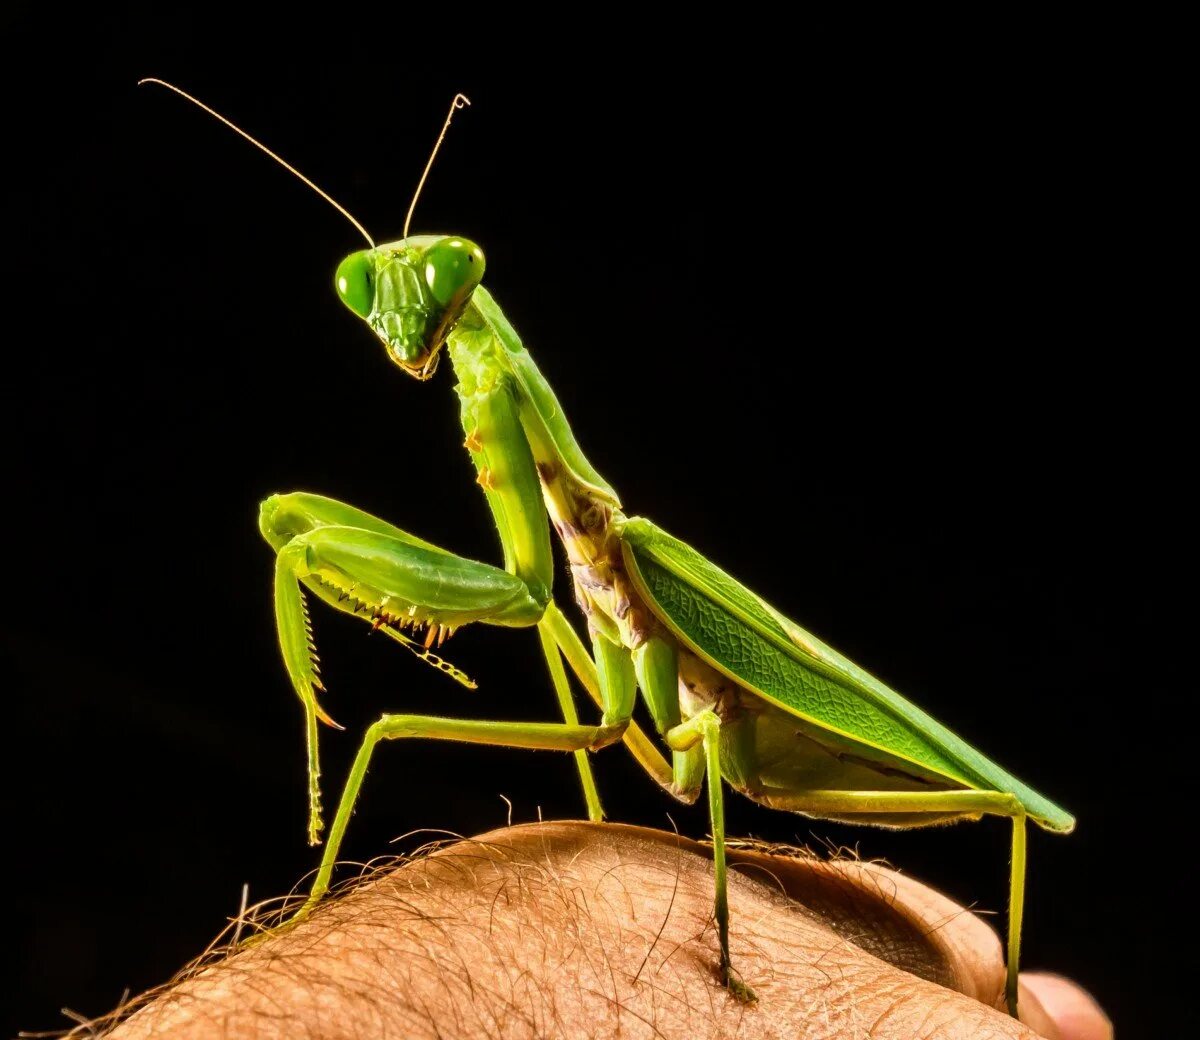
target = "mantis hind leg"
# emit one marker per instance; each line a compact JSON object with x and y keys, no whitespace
{"x":965,"y":804}
{"x":704,"y":729}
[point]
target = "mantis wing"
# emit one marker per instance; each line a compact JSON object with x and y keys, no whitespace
{"x":757,"y":647}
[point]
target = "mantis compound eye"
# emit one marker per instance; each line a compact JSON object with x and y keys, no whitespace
{"x":353,"y":283}
{"x":453,"y":267}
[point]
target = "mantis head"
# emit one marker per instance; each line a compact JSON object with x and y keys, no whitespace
{"x":411,"y":293}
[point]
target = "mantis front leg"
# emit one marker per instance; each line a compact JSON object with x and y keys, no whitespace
{"x":403,"y":585}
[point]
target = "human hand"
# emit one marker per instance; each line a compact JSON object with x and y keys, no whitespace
{"x":602,"y":930}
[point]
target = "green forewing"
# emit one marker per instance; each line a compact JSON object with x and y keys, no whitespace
{"x":760,"y":649}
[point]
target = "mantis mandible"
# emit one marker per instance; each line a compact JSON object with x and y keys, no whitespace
{"x":737,"y":692}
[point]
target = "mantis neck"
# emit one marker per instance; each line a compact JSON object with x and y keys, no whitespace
{"x":584,"y":509}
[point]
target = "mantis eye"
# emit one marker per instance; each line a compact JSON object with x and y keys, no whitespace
{"x":453,"y":267}
{"x":353,"y":282}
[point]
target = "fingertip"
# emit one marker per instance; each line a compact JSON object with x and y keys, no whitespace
{"x":1073,"y":1010}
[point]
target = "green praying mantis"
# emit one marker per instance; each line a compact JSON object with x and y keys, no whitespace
{"x":737,"y":692}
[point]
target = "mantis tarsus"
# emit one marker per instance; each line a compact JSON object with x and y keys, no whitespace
{"x":737,"y":692}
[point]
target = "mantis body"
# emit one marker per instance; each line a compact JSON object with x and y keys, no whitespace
{"x":740,"y":696}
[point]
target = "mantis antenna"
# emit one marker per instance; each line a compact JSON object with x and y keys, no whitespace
{"x":460,"y":101}
{"x":286,"y":165}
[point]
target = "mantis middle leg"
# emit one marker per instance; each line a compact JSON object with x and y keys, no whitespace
{"x":545,"y":736}
{"x":582,"y":664}
{"x":704,"y":729}
{"x":695,"y":746}
{"x":615,"y":691}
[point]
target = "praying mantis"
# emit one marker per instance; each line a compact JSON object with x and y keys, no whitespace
{"x":739,"y":695}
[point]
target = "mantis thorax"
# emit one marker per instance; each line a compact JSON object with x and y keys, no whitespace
{"x":582,"y":508}
{"x":589,"y":528}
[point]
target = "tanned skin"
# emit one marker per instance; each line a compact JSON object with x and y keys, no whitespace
{"x":578,"y":930}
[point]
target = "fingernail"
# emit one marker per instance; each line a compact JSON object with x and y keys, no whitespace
{"x":1069,"y":1006}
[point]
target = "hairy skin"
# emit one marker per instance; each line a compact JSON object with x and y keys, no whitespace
{"x":581,"y":930}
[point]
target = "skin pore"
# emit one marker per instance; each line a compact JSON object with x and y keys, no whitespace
{"x":600,"y":930}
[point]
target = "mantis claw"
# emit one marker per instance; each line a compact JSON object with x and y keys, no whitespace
{"x":741,"y":992}
{"x":325,"y":717}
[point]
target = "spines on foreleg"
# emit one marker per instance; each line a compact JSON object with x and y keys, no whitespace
{"x":300,"y":657}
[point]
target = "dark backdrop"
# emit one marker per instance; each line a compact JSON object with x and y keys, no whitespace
{"x":858,"y":311}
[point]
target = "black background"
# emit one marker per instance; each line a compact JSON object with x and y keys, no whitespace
{"x":861,"y":311}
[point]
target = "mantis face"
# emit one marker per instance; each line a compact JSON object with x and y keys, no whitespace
{"x":411,"y":293}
